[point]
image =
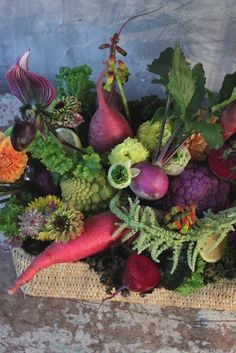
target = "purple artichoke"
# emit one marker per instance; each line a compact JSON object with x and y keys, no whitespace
{"x":197,"y":185}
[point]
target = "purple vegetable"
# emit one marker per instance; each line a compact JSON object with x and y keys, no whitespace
{"x":44,"y":184}
{"x":22,"y":134}
{"x":197,"y":185}
{"x":151,"y":183}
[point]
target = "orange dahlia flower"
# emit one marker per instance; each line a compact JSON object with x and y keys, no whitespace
{"x":12,"y":162}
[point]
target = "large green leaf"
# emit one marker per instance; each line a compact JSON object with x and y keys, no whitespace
{"x":211,"y":132}
{"x":181,"y":83}
{"x":226,"y":102}
{"x":228,"y":85}
{"x":162,"y":65}
{"x":195,"y":103}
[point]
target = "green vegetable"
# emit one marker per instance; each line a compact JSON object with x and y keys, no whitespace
{"x":178,"y":162}
{"x":51,"y":154}
{"x":75,"y":82}
{"x":9,"y":215}
{"x":87,"y":195}
{"x":195,"y":281}
{"x":89,"y":165}
{"x":128,"y":150}
{"x":120,"y":175}
{"x":186,"y":89}
{"x":149,"y":132}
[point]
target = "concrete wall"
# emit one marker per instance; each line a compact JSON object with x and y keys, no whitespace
{"x":68,"y":32}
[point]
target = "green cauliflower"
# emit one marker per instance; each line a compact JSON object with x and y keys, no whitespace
{"x":128,"y":150}
{"x":148,"y":134}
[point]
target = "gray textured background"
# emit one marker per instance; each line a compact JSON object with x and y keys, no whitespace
{"x":68,"y":32}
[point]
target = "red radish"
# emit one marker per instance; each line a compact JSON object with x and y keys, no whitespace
{"x":228,"y":121}
{"x":108,"y":127}
{"x":151,"y":183}
{"x":140,"y":275}
{"x":222,"y":162}
{"x":96,"y":237}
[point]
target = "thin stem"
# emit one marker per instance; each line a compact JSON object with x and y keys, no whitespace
{"x":158,"y":149}
{"x":164,"y":152}
{"x":123,"y":97}
{"x":140,"y":15}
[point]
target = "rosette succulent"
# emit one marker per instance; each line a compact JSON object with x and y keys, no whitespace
{"x":197,"y":185}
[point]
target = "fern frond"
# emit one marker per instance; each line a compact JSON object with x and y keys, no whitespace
{"x":156,"y":239}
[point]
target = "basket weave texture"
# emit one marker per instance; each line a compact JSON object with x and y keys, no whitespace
{"x":77,"y":281}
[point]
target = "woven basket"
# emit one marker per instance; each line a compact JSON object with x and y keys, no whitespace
{"x":77,"y":281}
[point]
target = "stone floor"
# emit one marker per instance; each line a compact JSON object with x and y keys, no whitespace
{"x":44,"y":325}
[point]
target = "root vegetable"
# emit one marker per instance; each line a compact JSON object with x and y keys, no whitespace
{"x":108,"y":127}
{"x":96,"y":237}
{"x":151,"y":183}
{"x":228,"y":121}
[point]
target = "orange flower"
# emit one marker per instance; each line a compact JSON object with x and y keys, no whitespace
{"x":196,"y":144}
{"x":2,"y":137}
{"x":12,"y":162}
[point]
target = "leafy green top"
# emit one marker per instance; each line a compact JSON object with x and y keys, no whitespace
{"x":186,"y":87}
{"x":75,"y":82}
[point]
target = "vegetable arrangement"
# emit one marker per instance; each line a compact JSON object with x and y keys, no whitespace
{"x":161,"y":190}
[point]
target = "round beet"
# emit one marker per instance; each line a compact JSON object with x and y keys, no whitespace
{"x":140,"y":274}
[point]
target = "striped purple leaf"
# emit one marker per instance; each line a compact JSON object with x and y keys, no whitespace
{"x":28,"y":87}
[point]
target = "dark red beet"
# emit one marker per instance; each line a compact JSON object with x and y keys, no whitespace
{"x":228,"y":121}
{"x":140,"y":274}
{"x":221,"y":164}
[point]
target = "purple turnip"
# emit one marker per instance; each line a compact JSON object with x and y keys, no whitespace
{"x":151,"y":183}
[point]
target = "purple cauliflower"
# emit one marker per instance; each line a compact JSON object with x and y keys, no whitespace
{"x":197,"y":185}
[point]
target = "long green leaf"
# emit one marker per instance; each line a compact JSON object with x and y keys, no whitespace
{"x":211,"y":132}
{"x":199,"y":94}
{"x":181,"y":83}
{"x":162,"y":66}
{"x":228,"y":85}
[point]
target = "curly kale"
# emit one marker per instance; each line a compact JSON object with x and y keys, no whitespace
{"x":10,"y":212}
{"x":52,"y":155}
{"x":75,"y":82}
{"x":89,"y":165}
{"x":195,"y":281}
